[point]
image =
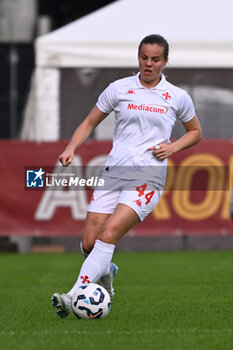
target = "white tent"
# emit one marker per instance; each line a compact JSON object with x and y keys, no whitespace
{"x":200,"y":34}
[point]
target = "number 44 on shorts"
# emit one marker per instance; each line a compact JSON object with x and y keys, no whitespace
{"x":141,"y":191}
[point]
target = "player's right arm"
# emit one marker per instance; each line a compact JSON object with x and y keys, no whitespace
{"x":94,"y":118}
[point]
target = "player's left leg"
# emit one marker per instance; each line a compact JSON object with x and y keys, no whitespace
{"x":97,"y":264}
{"x":93,"y":226}
{"x":112,"y":232}
{"x":62,"y":302}
{"x":133,"y":207}
{"x":101,"y":207}
{"x":120,"y":222}
{"x":138,"y":203}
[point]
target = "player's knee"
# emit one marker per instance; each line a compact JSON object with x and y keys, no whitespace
{"x":108,"y":235}
{"x":87,"y":245}
{"x":90,"y":233}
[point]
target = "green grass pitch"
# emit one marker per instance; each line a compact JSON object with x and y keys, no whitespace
{"x":181,"y":300}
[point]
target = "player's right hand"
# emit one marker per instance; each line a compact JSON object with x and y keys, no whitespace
{"x":66,"y":157}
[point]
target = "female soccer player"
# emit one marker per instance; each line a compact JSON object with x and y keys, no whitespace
{"x":146,"y":107}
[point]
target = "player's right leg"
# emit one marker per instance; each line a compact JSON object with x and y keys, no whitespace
{"x":93,"y":225}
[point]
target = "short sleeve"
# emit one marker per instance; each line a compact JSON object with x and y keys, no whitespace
{"x":186,"y":111}
{"x":107,"y":100}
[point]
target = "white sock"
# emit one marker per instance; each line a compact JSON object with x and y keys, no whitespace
{"x":83,"y":252}
{"x":96,"y":265}
{"x":86,"y":255}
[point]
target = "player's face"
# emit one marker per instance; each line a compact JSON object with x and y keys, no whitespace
{"x":151,"y":63}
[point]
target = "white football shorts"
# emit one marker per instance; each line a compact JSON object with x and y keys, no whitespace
{"x":141,"y":196}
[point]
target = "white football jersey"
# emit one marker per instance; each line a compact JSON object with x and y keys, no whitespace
{"x":143,"y":118}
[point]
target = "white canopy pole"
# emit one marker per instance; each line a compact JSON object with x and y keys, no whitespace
{"x":41,"y":117}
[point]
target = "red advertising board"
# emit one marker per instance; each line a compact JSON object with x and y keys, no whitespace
{"x":183,"y":209}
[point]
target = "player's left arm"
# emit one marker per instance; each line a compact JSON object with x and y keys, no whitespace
{"x":191,"y":137}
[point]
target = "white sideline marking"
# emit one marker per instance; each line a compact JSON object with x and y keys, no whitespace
{"x":154,"y":331}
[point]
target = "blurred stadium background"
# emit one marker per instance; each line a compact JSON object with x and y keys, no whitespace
{"x":49,"y":81}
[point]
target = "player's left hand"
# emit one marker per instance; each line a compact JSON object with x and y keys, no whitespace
{"x":162,"y":150}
